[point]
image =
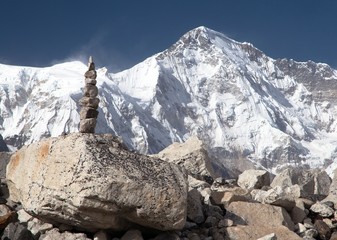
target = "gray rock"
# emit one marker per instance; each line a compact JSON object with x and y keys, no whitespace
{"x":37,"y":227}
{"x":193,"y":236}
{"x":218,"y":234}
{"x":322,"y":183}
{"x":89,"y":102}
{"x":330,"y":222}
{"x":214,"y":211}
{"x":278,"y":196}
{"x":312,"y":182}
{"x":88,"y":125}
{"x":322,"y":209}
{"x":197,"y":184}
{"x":225,"y":223}
{"x":189,"y":225}
{"x":282,"y":197}
{"x":271,"y":236}
{"x":132,"y":234}
{"x":101,"y":235}
{"x":300,"y":228}
{"x":308,"y":223}
{"x":4,"y":160}
{"x":90,"y":181}
{"x":298,"y":213}
{"x":23,"y":216}
{"x":332,"y":196}
{"x":194,"y":206}
{"x":211,"y":222}
{"x":191,"y":154}
{"x":65,"y":228}
{"x":310,"y":233}
{"x":6,"y":216}
{"x":54,"y":234}
{"x":167,"y":236}
{"x":16,"y":231}
{"x":253,"y":179}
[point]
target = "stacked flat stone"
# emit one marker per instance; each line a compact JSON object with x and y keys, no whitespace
{"x":89,"y":102}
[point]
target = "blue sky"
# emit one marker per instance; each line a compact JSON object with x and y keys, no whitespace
{"x":121,"y":33}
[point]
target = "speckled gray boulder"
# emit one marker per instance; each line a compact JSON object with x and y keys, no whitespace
{"x":91,"y":181}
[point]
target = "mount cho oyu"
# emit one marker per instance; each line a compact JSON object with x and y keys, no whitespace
{"x":248,"y":108}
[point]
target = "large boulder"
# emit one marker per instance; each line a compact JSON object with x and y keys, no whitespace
{"x":91,"y":181}
{"x":314,"y":183}
{"x":190,"y":154}
{"x":258,"y":214}
{"x":253,"y":179}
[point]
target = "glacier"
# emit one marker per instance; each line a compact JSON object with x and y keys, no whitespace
{"x":250,"y":110}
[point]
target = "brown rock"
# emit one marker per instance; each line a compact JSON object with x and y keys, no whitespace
{"x":258,"y":214}
{"x":333,"y":236}
{"x":90,"y":91}
{"x":218,"y":234}
{"x":231,"y":195}
{"x":88,"y":125}
{"x":17,"y":231}
{"x":90,"y":81}
{"x":323,"y":229}
{"x":89,"y":102}
{"x":6,"y":216}
{"x":132,"y":235}
{"x":313,"y":182}
{"x":253,"y":179}
{"x":90,"y":74}
{"x":194,"y":206}
{"x":91,"y":66}
{"x":167,"y":236}
{"x":87,"y":112}
{"x":192,"y":155}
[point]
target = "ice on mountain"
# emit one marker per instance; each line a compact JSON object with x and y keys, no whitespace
{"x":247,"y":108}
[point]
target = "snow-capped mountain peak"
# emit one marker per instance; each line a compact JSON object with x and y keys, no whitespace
{"x":248,"y":108}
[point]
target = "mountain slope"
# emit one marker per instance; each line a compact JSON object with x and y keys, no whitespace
{"x":249,"y":109}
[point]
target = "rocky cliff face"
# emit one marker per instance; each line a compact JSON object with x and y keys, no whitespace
{"x":249,"y":109}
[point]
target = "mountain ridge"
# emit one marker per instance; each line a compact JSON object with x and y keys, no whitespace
{"x":249,"y":109}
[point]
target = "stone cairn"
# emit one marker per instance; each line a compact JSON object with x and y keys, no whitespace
{"x":89,"y":102}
